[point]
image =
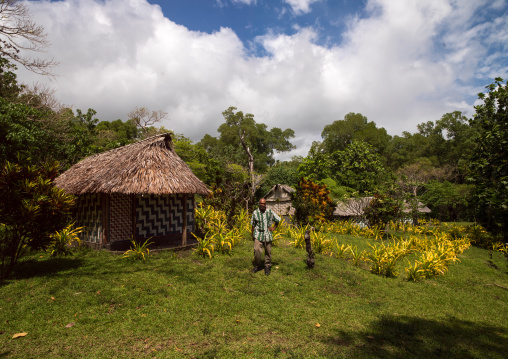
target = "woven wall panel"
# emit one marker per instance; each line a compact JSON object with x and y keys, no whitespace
{"x":176,"y":209}
{"x":89,"y":216}
{"x":162,"y":215}
{"x":152,"y":216}
{"x":120,"y":217}
{"x":282,"y":208}
{"x":190,"y":213}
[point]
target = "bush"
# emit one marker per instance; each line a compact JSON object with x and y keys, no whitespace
{"x":32,"y":209}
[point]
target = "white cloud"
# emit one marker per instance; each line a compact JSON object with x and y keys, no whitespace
{"x":223,"y":3}
{"x":245,"y":2}
{"x":404,"y":63}
{"x":300,"y":6}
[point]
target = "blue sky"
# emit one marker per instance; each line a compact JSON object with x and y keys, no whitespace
{"x":300,"y":64}
{"x":249,"y":19}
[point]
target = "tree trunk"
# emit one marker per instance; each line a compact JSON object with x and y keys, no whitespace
{"x":250,"y":169}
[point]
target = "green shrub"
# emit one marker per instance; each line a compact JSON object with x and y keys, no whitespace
{"x":63,"y":239}
{"x":138,"y":250}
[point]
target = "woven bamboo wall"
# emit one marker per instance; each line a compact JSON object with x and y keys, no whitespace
{"x":88,"y":214}
{"x":162,"y":215}
{"x":120,"y":217}
{"x":281,"y":207}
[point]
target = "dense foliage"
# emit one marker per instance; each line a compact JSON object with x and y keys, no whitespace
{"x":32,"y":210}
{"x":312,"y":202}
{"x":489,"y":161}
{"x":382,"y":209}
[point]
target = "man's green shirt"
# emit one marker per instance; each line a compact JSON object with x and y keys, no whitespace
{"x":261,"y":222}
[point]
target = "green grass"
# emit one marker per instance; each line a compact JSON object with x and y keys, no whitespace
{"x":180,"y":305}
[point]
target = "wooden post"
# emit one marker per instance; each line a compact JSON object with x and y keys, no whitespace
{"x":184,"y":234}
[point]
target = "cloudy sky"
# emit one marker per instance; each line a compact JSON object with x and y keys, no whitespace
{"x":300,"y":64}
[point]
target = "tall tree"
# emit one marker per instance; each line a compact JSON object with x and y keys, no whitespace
{"x":19,"y":34}
{"x":250,"y":144}
{"x":489,"y":162}
{"x":280,"y":173}
{"x":146,"y":119}
{"x":412,"y":180}
{"x":358,"y":167}
{"x":338,"y":135}
{"x":116,"y":133}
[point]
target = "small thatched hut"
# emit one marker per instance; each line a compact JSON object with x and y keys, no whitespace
{"x":421,"y":208}
{"x":352,"y":208}
{"x":279,"y":200}
{"x":142,"y":190}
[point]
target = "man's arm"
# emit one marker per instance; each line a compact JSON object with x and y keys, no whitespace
{"x":276,"y":220}
{"x":253,"y":222}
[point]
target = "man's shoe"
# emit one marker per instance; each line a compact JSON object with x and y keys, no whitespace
{"x":267,"y":271}
{"x":255,"y":269}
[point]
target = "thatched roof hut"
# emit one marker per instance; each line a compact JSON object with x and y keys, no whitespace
{"x":150,"y":166}
{"x":352,"y":207}
{"x":279,"y":200}
{"x":142,"y":190}
{"x":355,"y":207}
{"x":421,"y":208}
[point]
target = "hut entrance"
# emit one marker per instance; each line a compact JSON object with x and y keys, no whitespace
{"x":120,"y":217}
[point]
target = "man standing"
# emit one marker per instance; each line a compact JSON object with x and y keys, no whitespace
{"x":262,"y":229}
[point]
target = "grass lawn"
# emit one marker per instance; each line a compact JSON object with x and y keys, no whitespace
{"x":98,"y":305}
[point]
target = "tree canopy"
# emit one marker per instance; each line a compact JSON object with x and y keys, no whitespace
{"x":340,"y":134}
{"x":489,"y":161}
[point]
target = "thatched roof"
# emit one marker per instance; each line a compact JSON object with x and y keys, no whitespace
{"x":150,"y":166}
{"x":278,"y":191}
{"x":352,"y":207}
{"x":421,"y":208}
{"x":356,"y":207}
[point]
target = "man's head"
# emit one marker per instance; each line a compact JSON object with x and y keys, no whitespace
{"x":262,"y":205}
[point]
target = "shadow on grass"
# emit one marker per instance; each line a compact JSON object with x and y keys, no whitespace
{"x":409,"y":337}
{"x":52,"y":265}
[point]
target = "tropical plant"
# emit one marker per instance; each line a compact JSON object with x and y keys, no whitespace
{"x":414,"y":272}
{"x":222,"y":243}
{"x":205,"y":245}
{"x":242,"y":222}
{"x":376,"y":232}
{"x":201,"y":216}
{"x":356,"y":255}
{"x":384,"y":259}
{"x":320,"y":243}
{"x":31,"y":209}
{"x":138,"y":250}
{"x":312,"y":202}
{"x":276,"y":238}
{"x":63,"y":239}
{"x":339,"y":250}
{"x":298,"y":236}
{"x":479,"y":235}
